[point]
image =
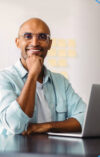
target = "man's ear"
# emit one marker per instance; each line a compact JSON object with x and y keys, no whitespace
{"x":17,"y":42}
{"x":50,"y":43}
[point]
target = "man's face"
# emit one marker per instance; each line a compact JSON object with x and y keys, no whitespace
{"x":33,"y":39}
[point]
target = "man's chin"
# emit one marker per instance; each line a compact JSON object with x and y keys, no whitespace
{"x":35,"y":53}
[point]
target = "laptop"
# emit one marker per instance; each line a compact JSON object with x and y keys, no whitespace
{"x":91,"y":125}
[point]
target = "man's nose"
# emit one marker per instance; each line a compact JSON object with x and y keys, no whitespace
{"x":35,"y":40}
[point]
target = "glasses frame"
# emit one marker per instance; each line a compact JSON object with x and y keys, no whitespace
{"x":37,"y":35}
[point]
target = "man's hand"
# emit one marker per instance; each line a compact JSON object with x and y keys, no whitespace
{"x":34,"y":64}
{"x":37,"y":128}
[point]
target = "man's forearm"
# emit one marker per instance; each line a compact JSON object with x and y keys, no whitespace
{"x":26,"y":100}
{"x":70,"y":125}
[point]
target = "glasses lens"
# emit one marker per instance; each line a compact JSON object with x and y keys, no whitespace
{"x":28,"y":35}
{"x":42,"y":36}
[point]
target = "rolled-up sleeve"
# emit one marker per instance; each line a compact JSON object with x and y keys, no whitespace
{"x":76,"y":106}
{"x":12,"y":117}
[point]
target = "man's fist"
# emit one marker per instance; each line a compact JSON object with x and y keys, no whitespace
{"x":34,"y":65}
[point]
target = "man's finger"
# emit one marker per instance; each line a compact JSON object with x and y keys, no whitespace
{"x":24,"y":133}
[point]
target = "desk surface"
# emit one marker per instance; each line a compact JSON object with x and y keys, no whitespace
{"x":48,"y":146}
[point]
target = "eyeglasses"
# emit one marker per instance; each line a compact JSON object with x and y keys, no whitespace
{"x":40,"y":36}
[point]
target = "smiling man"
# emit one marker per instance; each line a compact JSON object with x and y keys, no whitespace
{"x":32,"y":98}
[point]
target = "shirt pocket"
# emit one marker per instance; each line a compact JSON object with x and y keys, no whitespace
{"x":61,"y":111}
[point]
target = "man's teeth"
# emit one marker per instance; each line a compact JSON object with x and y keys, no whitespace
{"x":34,"y":50}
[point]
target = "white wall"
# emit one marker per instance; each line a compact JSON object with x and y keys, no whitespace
{"x":68,"y":19}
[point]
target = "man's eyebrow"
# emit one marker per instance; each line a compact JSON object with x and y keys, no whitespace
{"x":35,"y":33}
{"x":27,"y":32}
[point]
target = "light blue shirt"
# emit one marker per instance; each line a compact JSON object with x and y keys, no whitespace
{"x":62,"y":100}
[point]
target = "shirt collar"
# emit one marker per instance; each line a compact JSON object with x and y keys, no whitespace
{"x":22,"y":71}
{"x":47,"y":75}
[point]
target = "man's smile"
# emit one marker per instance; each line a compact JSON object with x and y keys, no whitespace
{"x":31,"y":50}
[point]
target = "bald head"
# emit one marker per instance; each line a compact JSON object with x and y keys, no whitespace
{"x":36,"y":24}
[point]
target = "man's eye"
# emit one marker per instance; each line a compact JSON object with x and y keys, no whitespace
{"x":42,"y":36}
{"x":28,"y":36}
